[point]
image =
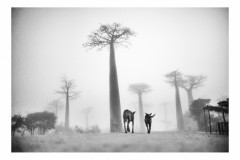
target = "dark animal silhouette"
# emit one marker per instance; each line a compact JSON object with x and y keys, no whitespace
{"x":128,"y":116}
{"x":148,"y":121}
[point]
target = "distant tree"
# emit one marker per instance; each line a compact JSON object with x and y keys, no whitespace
{"x":190,"y":82}
{"x":17,"y":123}
{"x":56,"y":105}
{"x":67,"y":90}
{"x":42,"y":120}
{"x":196,"y":111}
{"x":111,"y":36}
{"x":165,"y":121}
{"x":31,"y":122}
{"x":173,"y":79}
{"x":86,"y":111}
{"x":140,"y":89}
{"x":45,"y":120}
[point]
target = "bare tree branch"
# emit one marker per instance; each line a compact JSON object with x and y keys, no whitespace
{"x":173,"y":77}
{"x":192,"y":82}
{"x":74,"y":95}
{"x":67,"y":88}
{"x":60,"y":92}
{"x":108,"y":34}
{"x":140,"y":88}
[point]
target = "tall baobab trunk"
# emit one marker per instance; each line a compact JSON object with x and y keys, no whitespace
{"x":115,"y":108}
{"x":141,"y":121}
{"x":67,"y":112}
{"x":180,"y":124}
{"x":190,"y":96}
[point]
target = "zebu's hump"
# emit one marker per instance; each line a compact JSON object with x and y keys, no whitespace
{"x":126,"y":110}
{"x":128,"y":114}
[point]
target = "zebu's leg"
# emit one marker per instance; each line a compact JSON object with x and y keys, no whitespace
{"x":146,"y":126}
{"x":124,"y":125}
{"x":149,"y":128}
{"x":132,"y":126}
{"x":128,"y":129}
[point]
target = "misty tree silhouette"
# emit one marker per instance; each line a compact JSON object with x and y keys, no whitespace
{"x":67,"y":90}
{"x":190,"y":82}
{"x":165,"y":121}
{"x":86,"y":111}
{"x":17,"y":122}
{"x":56,"y":105}
{"x":173,"y":79}
{"x":140,"y":89}
{"x":110,"y":36}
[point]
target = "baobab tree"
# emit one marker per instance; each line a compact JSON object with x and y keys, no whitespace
{"x":111,"y":36}
{"x":190,"y":82}
{"x":67,"y":90}
{"x":56,"y":105}
{"x":173,"y":79}
{"x":86,"y":111}
{"x":165,"y":121}
{"x":140,"y":89}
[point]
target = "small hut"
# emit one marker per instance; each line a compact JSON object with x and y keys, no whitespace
{"x":221,"y":108}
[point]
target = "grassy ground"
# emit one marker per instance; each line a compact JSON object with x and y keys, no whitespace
{"x":121,"y":142}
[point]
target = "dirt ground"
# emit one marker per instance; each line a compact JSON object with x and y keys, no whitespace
{"x":121,"y":142}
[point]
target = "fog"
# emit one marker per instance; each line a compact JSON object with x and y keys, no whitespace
{"x":47,"y":43}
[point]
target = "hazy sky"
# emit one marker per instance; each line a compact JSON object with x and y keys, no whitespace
{"x":47,"y":43}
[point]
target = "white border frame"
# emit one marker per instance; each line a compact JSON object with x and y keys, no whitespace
{"x":5,"y":80}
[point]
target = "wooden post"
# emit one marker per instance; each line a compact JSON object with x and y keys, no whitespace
{"x":223,"y":116}
{"x":205,"y":119}
{"x":210,"y":128}
{"x":219,"y":127}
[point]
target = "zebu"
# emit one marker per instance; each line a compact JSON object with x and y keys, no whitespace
{"x":128,"y":116}
{"x":148,"y":121}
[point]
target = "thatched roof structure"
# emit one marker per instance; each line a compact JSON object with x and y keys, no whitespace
{"x":216,"y":108}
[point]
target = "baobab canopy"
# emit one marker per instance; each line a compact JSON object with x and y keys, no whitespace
{"x":107,"y":34}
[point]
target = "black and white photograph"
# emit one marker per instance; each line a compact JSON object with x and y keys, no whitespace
{"x":120,"y":79}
